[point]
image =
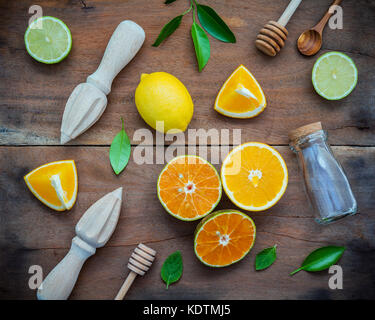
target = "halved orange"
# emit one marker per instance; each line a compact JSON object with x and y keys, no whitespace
{"x":241,"y":95}
{"x":55,"y":184}
{"x":254,"y":176}
{"x":224,"y":237}
{"x":189,"y":187}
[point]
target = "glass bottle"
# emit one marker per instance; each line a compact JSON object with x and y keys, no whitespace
{"x":326,"y":184}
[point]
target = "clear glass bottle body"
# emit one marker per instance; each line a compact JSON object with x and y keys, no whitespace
{"x":326,"y":184}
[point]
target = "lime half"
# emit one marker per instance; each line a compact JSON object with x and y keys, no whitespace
{"x":334,"y":75}
{"x":48,"y":40}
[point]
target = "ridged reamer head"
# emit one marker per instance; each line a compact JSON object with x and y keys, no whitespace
{"x":84,"y":107}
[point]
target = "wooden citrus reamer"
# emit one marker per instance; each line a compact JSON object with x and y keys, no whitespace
{"x":93,"y":231}
{"x":88,"y":100}
{"x":139,"y":263}
{"x":272,"y":36}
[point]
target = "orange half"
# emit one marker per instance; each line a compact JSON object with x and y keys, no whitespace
{"x":254,"y":176}
{"x":223,"y":238}
{"x":55,"y":184}
{"x":189,"y":187}
{"x":241,"y":95}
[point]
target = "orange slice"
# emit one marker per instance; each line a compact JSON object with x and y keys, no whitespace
{"x":240,"y":96}
{"x":55,"y":184}
{"x":223,"y":238}
{"x":189,"y":187}
{"x":254,"y":176}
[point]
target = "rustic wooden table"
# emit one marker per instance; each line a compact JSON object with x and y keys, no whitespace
{"x":33,"y":97}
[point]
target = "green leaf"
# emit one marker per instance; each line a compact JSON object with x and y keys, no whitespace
{"x":201,"y":45}
{"x":214,"y":25}
{"x":169,"y":1}
{"x":167,"y":30}
{"x":265,"y":258}
{"x":171,"y":270}
{"x":321,"y":259}
{"x":119,"y":152}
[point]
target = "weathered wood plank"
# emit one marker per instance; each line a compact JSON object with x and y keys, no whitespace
{"x":33,"y":234}
{"x":33,"y":95}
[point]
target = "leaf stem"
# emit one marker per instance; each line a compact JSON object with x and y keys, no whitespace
{"x":192,"y":4}
{"x":188,"y":10}
{"x":123,"y":125}
{"x":295,"y":271}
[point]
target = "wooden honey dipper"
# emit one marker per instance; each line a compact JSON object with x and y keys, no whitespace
{"x":271,"y":38}
{"x":139,"y":263}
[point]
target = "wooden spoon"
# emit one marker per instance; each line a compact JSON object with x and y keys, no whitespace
{"x":310,"y":41}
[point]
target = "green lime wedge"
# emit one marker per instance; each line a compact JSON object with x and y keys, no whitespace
{"x":334,"y":75}
{"x":48,"y":40}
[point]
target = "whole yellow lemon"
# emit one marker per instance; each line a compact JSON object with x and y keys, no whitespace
{"x":161,"y":97}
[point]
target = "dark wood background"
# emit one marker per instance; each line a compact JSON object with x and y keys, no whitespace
{"x":32,"y":100}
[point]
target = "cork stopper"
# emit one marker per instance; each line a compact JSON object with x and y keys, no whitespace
{"x":304,"y":130}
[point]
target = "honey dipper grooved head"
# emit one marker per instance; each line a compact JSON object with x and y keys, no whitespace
{"x":271,"y":38}
{"x":279,"y":26}
{"x":141,"y":259}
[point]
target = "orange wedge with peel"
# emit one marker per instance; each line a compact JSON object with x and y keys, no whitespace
{"x":254,"y":176}
{"x":224,"y":237}
{"x":240,"y":96}
{"x":189,"y":187}
{"x":55,"y":184}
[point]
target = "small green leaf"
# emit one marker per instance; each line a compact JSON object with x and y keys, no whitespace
{"x":169,"y":1}
{"x":321,"y":259}
{"x":119,"y":152}
{"x":214,"y":25}
{"x":171,"y":270}
{"x":265,"y":258}
{"x":201,"y":45}
{"x":167,"y":30}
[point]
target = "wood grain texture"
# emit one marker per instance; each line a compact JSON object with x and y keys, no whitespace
{"x":31,"y":233}
{"x":33,"y":95}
